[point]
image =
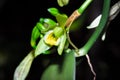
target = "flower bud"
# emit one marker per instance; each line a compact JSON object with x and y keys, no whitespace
{"x":58,"y":31}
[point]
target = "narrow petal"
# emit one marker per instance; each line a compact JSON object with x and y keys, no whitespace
{"x":62,"y":44}
{"x":95,"y":22}
{"x":23,"y":68}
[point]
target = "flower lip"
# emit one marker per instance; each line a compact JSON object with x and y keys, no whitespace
{"x":50,"y":39}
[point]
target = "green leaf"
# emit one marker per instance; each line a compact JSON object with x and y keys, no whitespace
{"x":62,"y":44}
{"x":41,"y":47}
{"x":23,"y":68}
{"x":63,"y":69}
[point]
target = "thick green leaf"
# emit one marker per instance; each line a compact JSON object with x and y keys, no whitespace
{"x":23,"y":68}
{"x":41,"y":47}
{"x":64,"y":69}
{"x":62,"y":44}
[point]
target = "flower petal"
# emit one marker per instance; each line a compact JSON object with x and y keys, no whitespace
{"x":95,"y":22}
{"x":62,"y":44}
{"x":50,"y":39}
{"x":41,"y":47}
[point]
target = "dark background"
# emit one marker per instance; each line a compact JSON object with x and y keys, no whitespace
{"x":18,"y":17}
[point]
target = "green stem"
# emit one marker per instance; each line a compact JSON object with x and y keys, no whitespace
{"x":84,"y":6}
{"x":73,"y":17}
{"x":77,"y":13}
{"x":97,"y":32}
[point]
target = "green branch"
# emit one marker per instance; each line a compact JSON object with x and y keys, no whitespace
{"x":105,"y":13}
{"x":73,"y":17}
{"x":84,"y":6}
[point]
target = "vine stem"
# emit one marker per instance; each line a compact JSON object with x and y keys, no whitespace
{"x":99,"y":29}
{"x":77,"y":13}
{"x":70,"y":20}
{"x":73,"y":17}
{"x":84,"y":50}
{"x":82,"y":8}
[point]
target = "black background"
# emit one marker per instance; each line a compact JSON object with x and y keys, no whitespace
{"x":18,"y":17}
